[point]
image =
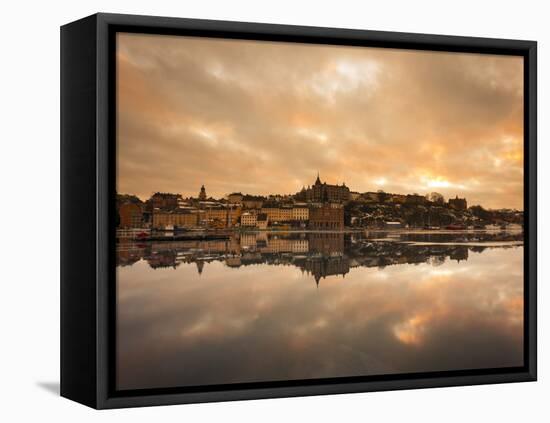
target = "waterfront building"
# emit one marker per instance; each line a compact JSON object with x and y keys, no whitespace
{"x":458,"y":203}
{"x":233,"y":215}
{"x":248,"y":219}
{"x":262,"y":221}
{"x":174,"y":218}
{"x":323,"y":192}
{"x":286,"y":214}
{"x":278,"y":214}
{"x":216,"y":214}
{"x":219,"y":217}
{"x":327,"y":217}
{"x":165,"y":201}
{"x":131,"y":215}
{"x":300,"y":213}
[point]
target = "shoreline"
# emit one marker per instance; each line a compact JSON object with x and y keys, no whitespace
{"x":227,"y":234}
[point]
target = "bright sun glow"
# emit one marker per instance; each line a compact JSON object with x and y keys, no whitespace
{"x":380,"y":181}
{"x":439,"y":184}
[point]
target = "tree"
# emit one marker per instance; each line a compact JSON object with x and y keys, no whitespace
{"x":481,"y":213}
{"x":382,"y":196}
{"x":436,"y":197}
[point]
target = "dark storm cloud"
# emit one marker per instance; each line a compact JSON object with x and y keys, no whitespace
{"x":262,"y":118}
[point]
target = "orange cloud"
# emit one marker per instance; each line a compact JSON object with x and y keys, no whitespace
{"x":258,"y":117}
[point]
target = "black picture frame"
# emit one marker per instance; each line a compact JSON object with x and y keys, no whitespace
{"x":87,"y":202}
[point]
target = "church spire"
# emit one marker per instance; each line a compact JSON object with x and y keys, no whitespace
{"x":202,"y":194}
{"x":318,"y":180}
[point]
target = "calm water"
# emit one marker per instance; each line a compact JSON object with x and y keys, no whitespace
{"x":266,"y":307}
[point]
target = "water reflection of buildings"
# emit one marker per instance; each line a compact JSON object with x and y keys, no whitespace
{"x":321,"y":267}
{"x":319,"y":254}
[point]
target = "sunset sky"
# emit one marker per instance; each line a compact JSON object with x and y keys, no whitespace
{"x":265,"y":117}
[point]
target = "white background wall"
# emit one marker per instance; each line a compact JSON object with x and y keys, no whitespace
{"x":29,"y":166}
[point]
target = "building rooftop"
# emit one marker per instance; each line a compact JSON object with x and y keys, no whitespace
{"x":250,"y":197}
{"x":165,"y":194}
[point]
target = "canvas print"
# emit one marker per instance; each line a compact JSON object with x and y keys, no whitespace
{"x":291,"y":212}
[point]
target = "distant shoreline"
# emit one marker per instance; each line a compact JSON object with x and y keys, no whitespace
{"x":226,"y":234}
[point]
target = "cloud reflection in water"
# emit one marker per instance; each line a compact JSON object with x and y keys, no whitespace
{"x":263,"y":322}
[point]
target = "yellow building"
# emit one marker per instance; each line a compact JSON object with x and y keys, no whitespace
{"x":278,"y":214}
{"x":220,"y":217}
{"x":248,"y":219}
{"x":300,"y":213}
{"x":179,"y":219}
